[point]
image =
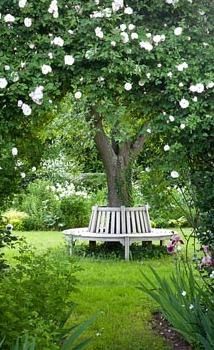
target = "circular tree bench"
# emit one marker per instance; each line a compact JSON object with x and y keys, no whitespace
{"x":120,"y":224}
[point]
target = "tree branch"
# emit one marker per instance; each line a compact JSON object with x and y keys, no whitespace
{"x":137,"y":146}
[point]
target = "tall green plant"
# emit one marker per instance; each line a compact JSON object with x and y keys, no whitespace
{"x":185,"y":302}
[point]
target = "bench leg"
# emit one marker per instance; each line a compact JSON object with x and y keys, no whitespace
{"x":161,"y":243}
{"x":92,"y":245}
{"x":71,"y":245}
{"x":126,"y":248}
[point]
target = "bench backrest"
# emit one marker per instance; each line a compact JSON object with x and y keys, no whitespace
{"x":119,"y":220}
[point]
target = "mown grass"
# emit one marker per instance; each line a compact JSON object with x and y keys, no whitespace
{"x":108,"y":288}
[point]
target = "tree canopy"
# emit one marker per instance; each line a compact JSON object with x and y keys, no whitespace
{"x":131,"y":67}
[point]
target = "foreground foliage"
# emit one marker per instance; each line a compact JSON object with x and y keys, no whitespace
{"x":186,"y":303}
{"x":36,"y":297}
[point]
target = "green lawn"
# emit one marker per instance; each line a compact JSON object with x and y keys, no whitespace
{"x":109,"y":288}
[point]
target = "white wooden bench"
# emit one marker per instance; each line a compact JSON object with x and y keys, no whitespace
{"x":120,"y":224}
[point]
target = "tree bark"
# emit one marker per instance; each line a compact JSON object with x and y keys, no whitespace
{"x":118,"y":161}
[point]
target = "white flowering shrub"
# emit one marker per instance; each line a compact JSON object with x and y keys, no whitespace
{"x":123,"y":63}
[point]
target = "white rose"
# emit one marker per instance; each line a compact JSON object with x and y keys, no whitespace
{"x":99,"y":32}
{"x":184,"y":103}
{"x":69,"y":60}
{"x":113,"y":43}
{"x":124,"y":37}
{"x":23,"y":175}
{"x":182,"y":126}
{"x":46,"y":69}
{"x":128,"y":11}
{"x":134,"y":36}
{"x":14,"y":151}
{"x":178,"y":31}
{"x":9,"y":18}
{"x":131,"y":26}
{"x":28,"y":22}
{"x":26,"y":109}
{"x":171,"y":118}
{"x":166,"y":148}
{"x":174,"y":174}
{"x":128,"y":86}
{"x":200,"y":87}
{"x":58,"y":41}
{"x":22,"y":3}
{"x":3,"y":83}
{"x":123,"y":27}
{"x":210,"y":85}
{"x":78,"y":95}
{"x":146,"y":45}
{"x":157,"y":38}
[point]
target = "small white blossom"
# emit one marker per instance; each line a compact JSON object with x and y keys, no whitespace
{"x":195,"y":99}
{"x":50,"y":55}
{"x":70,"y":31}
{"x":191,"y":306}
{"x":58,"y":41}
{"x":37,"y":95}
{"x":78,"y":95}
{"x":184,"y":293}
{"x":174,"y":174}
{"x":53,"y":9}
{"x":23,"y":175}
{"x":171,"y":118}
{"x":159,"y":65}
{"x":184,"y":103}
{"x":180,"y":67}
{"x":134,"y":36}
{"x":178,"y":31}
{"x":128,"y":11}
{"x":69,"y":60}
{"x":149,"y":131}
{"x":146,"y":45}
{"x":148,"y":35}
{"x":147,"y":169}
{"x":210,"y":85}
{"x":117,"y":5}
{"x":14,"y":151}
{"x":28,"y":22}
{"x":212,"y":274}
{"x":169,"y":74}
{"x":22,"y":3}
{"x":157,"y":39}
{"x":20,"y":103}
{"x":7,"y":67}
{"x":99,"y":32}
{"x":123,"y":27}
{"x":141,"y":83}
{"x":128,"y":86}
{"x":26,"y":109}
{"x":46,"y":69}
{"x":124,"y":37}
{"x":3,"y":83}
{"x":113,"y":43}
{"x":9,"y":18}
{"x":33,"y":169}
{"x":131,"y":26}
{"x":182,"y":126}
{"x":166,"y":148}
{"x":200,"y":88}
{"x":180,"y":84}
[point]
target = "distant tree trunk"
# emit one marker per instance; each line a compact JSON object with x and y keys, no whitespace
{"x":118,"y":161}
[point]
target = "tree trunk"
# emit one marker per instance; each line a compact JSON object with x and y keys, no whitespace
{"x":118,"y":161}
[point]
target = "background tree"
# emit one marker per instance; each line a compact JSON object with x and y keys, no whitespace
{"x":128,"y":65}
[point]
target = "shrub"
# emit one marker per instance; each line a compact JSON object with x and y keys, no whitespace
{"x":76,"y":211}
{"x":15,"y":218}
{"x":36,"y":297}
{"x":186,"y":303}
{"x":7,"y":239}
{"x":42,"y":206}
